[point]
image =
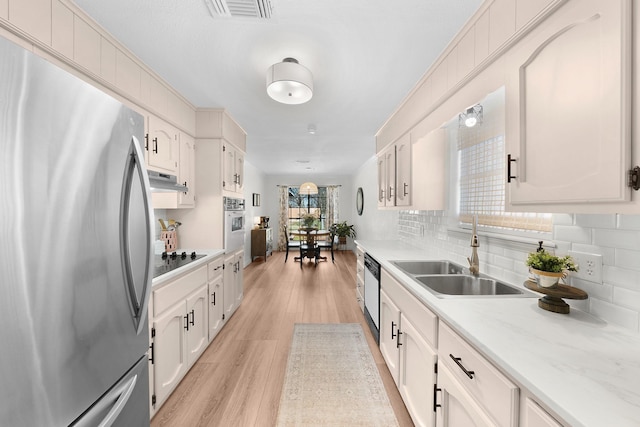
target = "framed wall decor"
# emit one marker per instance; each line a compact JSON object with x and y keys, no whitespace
{"x":359,"y":201}
{"x":256,"y":199}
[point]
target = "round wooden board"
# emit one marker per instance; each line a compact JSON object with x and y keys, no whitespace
{"x":558,"y":291}
{"x":552,"y":301}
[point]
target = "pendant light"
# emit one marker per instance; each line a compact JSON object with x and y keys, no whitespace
{"x":308,"y":188}
{"x":289,"y":82}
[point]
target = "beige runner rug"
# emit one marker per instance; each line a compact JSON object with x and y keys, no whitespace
{"x":332,"y":379}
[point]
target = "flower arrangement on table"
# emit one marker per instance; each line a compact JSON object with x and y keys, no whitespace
{"x":308,"y":219}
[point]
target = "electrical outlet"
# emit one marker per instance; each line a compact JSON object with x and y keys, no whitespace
{"x":590,"y":266}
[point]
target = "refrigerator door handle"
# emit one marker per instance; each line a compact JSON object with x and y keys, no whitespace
{"x":116,"y":398}
{"x":135,"y":163}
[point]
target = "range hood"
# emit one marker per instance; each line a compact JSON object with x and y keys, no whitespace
{"x":162,"y":182}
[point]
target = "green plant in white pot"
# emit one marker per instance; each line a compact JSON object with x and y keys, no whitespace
{"x":548,"y":269}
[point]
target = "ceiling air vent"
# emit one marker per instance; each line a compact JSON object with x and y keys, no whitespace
{"x":240,"y":8}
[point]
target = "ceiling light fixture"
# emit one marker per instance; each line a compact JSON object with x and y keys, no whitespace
{"x":312,"y":129}
{"x":308,"y":188}
{"x":471,"y":117}
{"x":289,"y":82}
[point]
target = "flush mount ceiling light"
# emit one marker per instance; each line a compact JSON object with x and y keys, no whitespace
{"x":471,"y":117}
{"x":312,"y":129}
{"x":308,"y":188}
{"x":289,"y":82}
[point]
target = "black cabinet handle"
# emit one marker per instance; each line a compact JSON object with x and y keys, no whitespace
{"x":146,"y":142}
{"x":214,"y":299}
{"x":404,"y":190}
{"x":155,"y":145}
{"x":509,"y":160}
{"x":458,"y":361}
{"x":193,"y":317}
{"x":186,"y":318}
{"x":152,"y":355}
{"x":398,"y":343}
{"x":393,"y":326}
{"x":435,"y":397}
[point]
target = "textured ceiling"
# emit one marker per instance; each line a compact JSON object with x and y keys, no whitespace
{"x":365,"y":56}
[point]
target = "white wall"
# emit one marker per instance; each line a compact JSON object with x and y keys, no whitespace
{"x":254,"y":182}
{"x":373,"y":224}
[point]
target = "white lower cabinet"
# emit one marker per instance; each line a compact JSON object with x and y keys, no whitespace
{"x":184,"y":317}
{"x":409,"y":355}
{"x":456,"y":407}
{"x":417,"y":373}
{"x":216,"y":298}
{"x":233,"y":282}
{"x":534,"y":416}
{"x":468,"y":381}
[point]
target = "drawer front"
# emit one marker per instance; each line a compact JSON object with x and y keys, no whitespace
{"x":168,"y":295}
{"x":413,"y":309}
{"x":489,"y":387}
{"x":214,"y":268}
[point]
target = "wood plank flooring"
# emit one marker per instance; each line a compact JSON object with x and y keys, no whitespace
{"x":239,"y":378}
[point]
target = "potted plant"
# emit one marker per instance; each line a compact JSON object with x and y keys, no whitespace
{"x":548,"y":269}
{"x":343,"y":230}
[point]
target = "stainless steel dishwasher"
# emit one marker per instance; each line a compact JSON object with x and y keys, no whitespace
{"x":372,"y":295}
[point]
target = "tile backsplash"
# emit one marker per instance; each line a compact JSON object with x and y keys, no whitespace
{"x":615,"y":237}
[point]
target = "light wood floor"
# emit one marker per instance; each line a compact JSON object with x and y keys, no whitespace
{"x":239,"y":378}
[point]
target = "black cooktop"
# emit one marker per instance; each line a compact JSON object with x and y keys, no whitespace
{"x":167,"y":262}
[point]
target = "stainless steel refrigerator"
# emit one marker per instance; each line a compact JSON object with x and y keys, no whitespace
{"x":75,"y":251}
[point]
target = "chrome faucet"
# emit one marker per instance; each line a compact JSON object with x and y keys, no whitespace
{"x":474,"y":262}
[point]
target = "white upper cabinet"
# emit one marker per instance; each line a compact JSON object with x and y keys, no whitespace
{"x":428,"y":172}
{"x":162,"y":146}
{"x":403,"y":172}
{"x":568,"y":95}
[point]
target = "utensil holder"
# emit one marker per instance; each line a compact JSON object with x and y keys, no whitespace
{"x":170,"y":239}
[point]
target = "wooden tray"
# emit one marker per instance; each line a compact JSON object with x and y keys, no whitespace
{"x":553,"y":299}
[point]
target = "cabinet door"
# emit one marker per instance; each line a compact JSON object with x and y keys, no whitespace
{"x":428,"y":159}
{"x":535,"y":416}
{"x":198,"y":330}
{"x":229,"y":291}
{"x":390,"y":176}
{"x":569,"y":109}
{"x":239,"y":171}
{"x":382,"y":180}
{"x":403,"y":171}
{"x":456,"y":408}
{"x":187,"y":171}
{"x":162,"y":146}
{"x":389,"y":327}
{"x":417,"y":374}
{"x":239,"y":280}
{"x":170,"y":362}
{"x":229,"y":176}
{"x":216,"y":308}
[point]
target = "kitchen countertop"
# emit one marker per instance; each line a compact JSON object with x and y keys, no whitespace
{"x":211,"y":254}
{"x":581,"y":367}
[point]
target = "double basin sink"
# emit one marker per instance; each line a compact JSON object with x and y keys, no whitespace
{"x":447,"y":279}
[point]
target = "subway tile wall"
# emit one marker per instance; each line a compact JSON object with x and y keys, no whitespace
{"x":615,"y":237}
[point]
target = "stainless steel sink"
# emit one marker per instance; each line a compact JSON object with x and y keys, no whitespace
{"x":428,"y":267}
{"x":466,"y":285}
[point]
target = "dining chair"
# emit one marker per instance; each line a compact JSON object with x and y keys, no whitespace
{"x":328,"y":244}
{"x":290,"y":242}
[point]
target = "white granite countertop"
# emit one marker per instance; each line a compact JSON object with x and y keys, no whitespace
{"x":211,"y":254}
{"x":581,"y":367}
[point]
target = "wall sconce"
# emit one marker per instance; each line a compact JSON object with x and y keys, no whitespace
{"x":471,"y":117}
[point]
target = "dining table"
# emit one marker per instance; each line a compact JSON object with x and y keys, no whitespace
{"x":310,"y":235}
